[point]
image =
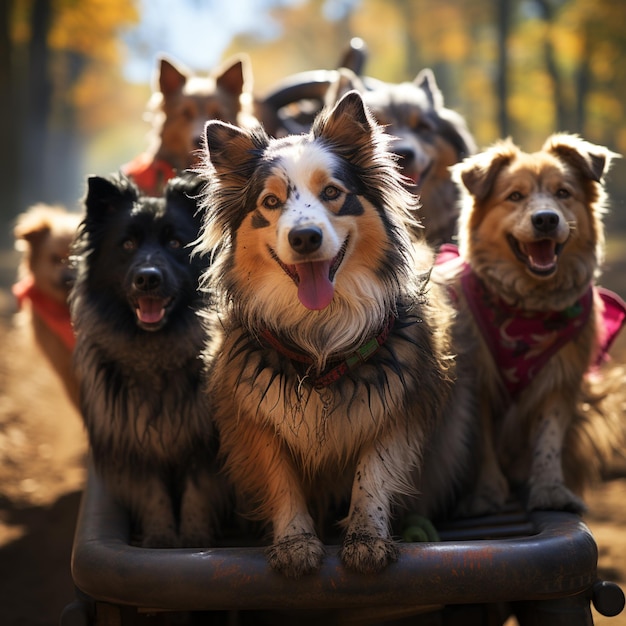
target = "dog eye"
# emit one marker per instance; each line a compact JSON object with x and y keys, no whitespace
{"x":562,"y":193}
{"x":424,"y":126}
{"x":331,"y":192}
{"x":516,"y":196}
{"x":271,"y":201}
{"x":174,"y":243}
{"x":129,"y":245}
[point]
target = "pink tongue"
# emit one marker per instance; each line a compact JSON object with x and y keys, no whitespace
{"x":315,"y":290}
{"x":541,"y":253}
{"x":415,"y":178}
{"x":150,"y":310}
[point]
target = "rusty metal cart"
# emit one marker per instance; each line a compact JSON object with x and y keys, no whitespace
{"x":541,"y":567}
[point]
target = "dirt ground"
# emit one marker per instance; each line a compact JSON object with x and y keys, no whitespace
{"x":42,"y":451}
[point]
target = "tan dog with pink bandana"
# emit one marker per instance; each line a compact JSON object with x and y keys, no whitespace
{"x":533,"y":322}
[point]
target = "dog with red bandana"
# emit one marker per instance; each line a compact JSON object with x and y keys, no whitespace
{"x":179,"y":108}
{"x":44,"y":235}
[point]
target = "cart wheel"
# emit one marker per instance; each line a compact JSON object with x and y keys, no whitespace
{"x":608,"y":598}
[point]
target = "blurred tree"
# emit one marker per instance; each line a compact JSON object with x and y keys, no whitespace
{"x":503,"y":21}
{"x":8,"y":134}
{"x":52,"y":46}
{"x":519,"y":67}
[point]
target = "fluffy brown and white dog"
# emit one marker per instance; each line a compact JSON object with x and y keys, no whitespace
{"x":178,"y":110}
{"x":533,"y":322}
{"x":44,"y":235}
{"x":429,"y":138}
{"x":335,"y":365}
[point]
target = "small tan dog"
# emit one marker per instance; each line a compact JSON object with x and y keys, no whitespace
{"x":533,"y":322}
{"x":180,"y":106}
{"x":44,"y":234}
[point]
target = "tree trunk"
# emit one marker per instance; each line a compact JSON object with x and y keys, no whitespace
{"x":38,"y":91}
{"x":9,"y":155}
{"x":583,"y":85}
{"x":562,"y":121}
{"x":503,"y":8}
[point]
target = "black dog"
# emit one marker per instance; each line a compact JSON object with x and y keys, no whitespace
{"x":134,"y":308}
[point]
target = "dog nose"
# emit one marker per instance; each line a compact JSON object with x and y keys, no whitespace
{"x":68,"y":277}
{"x":306,"y":239}
{"x":545,"y":221}
{"x":406,"y":156}
{"x":148,"y":278}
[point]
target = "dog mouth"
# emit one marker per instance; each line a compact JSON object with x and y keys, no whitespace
{"x":151,"y":311}
{"x":414,"y":176}
{"x":540,"y":256}
{"x":314,"y":279}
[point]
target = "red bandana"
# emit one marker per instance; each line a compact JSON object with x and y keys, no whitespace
{"x":149,"y":174}
{"x":54,"y":314}
{"x":522,"y":342}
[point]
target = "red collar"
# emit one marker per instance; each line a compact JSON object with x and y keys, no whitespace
{"x":149,"y":173}
{"x":521,"y":342}
{"x":54,"y":314}
{"x":360,"y":355}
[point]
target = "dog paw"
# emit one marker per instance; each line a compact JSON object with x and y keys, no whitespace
{"x":554,"y":497}
{"x":296,"y":555}
{"x":367,"y":554}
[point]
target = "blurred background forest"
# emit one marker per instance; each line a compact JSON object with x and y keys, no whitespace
{"x":75,"y":74}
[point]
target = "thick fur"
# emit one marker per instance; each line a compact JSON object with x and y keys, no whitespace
{"x":332,"y":199}
{"x":139,"y":338}
{"x":516,"y":205}
{"x":44,"y":235}
{"x":181,"y":104}
{"x":429,"y":138}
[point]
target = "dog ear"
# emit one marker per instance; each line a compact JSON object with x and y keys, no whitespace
{"x":233,"y":151}
{"x":171,"y":78}
{"x":235,"y":76}
{"x":107,"y":194}
{"x":589,"y":159}
{"x":349,"y":126}
{"x":32,"y":225}
{"x":346,"y":81}
{"x":478,"y":173}
{"x":425,"y":80}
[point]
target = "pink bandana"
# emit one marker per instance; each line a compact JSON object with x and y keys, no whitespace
{"x":522,"y":342}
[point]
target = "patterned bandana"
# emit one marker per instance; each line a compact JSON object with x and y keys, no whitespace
{"x":55,"y":315}
{"x":522,"y":342}
{"x":149,"y":174}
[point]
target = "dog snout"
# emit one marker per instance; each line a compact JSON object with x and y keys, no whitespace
{"x":305,"y":239}
{"x":68,"y":276}
{"x":148,"y":278}
{"x":406,"y":156}
{"x":545,"y":222}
